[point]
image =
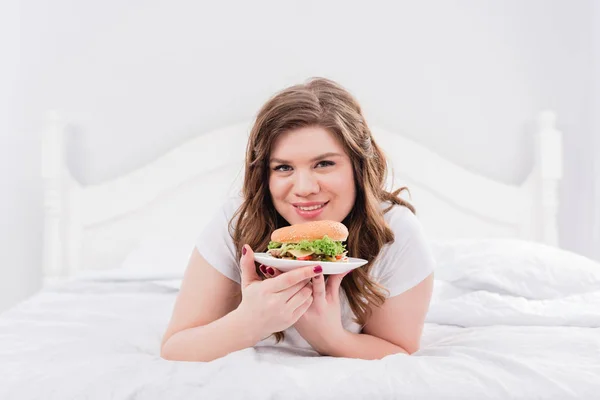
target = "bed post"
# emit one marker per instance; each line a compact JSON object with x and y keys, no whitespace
{"x":53,"y":196}
{"x":548,"y":171}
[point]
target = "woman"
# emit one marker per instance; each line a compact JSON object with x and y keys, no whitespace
{"x":310,"y":156}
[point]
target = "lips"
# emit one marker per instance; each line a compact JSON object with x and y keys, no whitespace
{"x":310,"y":206}
{"x":309,"y":210}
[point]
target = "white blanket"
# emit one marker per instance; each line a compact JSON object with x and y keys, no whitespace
{"x":99,"y":339}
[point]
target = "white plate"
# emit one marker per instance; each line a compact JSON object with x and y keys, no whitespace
{"x":329,"y":268}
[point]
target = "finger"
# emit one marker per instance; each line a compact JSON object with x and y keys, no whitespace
{"x":269,"y":272}
{"x":318,"y":284}
{"x":298,"y":312}
{"x":263,"y":271}
{"x":247,"y":267}
{"x":290,"y":278}
{"x":299,"y":298}
{"x":333,"y":285}
{"x":273,"y":272}
{"x":291,"y":291}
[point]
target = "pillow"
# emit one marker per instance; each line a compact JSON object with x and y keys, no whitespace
{"x":512,"y":266}
{"x":506,"y":266}
{"x":159,"y":258}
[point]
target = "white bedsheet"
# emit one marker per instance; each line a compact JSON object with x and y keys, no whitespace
{"x":99,"y":339}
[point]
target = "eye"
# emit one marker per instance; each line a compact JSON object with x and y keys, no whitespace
{"x":325,"y":163}
{"x":282,"y":168}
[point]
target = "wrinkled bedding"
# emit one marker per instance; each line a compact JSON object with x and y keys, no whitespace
{"x":495,"y":330}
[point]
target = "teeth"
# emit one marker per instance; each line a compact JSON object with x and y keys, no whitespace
{"x":310,"y":208}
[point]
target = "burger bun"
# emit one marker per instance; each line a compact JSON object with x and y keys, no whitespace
{"x":312,"y":230}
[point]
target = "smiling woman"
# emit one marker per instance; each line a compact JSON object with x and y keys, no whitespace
{"x":310,"y":157}
{"x":309,"y":181}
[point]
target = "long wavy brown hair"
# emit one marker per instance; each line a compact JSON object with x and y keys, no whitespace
{"x":321,"y":102}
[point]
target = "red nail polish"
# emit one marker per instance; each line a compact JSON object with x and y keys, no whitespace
{"x":318,"y":269}
{"x":271,"y":271}
{"x":244,"y":250}
{"x":263,"y":269}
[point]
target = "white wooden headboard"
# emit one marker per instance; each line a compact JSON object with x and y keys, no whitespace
{"x":96,"y":226}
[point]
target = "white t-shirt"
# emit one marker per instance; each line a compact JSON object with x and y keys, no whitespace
{"x":401,"y":264}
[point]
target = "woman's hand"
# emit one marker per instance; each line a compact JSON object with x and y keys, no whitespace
{"x":321,"y":324}
{"x":276,"y":304}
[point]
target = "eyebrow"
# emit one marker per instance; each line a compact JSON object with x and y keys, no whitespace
{"x":320,"y":157}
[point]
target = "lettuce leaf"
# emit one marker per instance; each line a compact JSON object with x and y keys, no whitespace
{"x":320,"y":246}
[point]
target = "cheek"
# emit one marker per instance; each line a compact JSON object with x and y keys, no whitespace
{"x":278,"y":188}
{"x":342,"y":185}
{"x":348,"y":183}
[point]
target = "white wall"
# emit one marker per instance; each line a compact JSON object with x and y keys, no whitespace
{"x":20,"y":192}
{"x":596,"y":125}
{"x":462,"y":77}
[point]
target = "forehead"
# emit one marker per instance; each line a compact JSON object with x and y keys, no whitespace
{"x":305,"y":142}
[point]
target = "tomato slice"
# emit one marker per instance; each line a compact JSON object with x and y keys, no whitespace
{"x":305,"y":258}
{"x":339,"y":257}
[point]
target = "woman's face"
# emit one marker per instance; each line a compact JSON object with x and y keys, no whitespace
{"x":311,"y":176}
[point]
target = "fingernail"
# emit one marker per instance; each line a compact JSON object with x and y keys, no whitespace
{"x":263,"y":269}
{"x":271,"y":271}
{"x":318,"y":269}
{"x":244,"y":250}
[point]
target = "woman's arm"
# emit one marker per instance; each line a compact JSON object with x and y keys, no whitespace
{"x":363,"y":346}
{"x":203,"y":314}
{"x":395,"y":327}
{"x":215,"y":316}
{"x":211,"y":341}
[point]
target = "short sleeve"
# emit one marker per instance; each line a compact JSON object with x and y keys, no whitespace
{"x":407,"y":261}
{"x":216,"y":245}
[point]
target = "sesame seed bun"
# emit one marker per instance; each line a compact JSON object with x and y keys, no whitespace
{"x":311,"y":231}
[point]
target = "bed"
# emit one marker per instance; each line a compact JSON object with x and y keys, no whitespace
{"x":512,"y":315}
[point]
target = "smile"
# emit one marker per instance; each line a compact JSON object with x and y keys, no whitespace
{"x":309,"y":210}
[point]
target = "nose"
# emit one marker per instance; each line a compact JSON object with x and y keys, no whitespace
{"x":305,"y":184}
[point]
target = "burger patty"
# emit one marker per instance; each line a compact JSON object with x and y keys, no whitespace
{"x":313,"y":257}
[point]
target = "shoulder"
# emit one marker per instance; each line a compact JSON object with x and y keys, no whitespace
{"x":215,"y":242}
{"x":230,"y":205}
{"x":402,"y":221}
{"x":407,"y":260}
{"x":219,"y":218}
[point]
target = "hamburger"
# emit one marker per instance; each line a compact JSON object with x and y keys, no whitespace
{"x":310,"y":241}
